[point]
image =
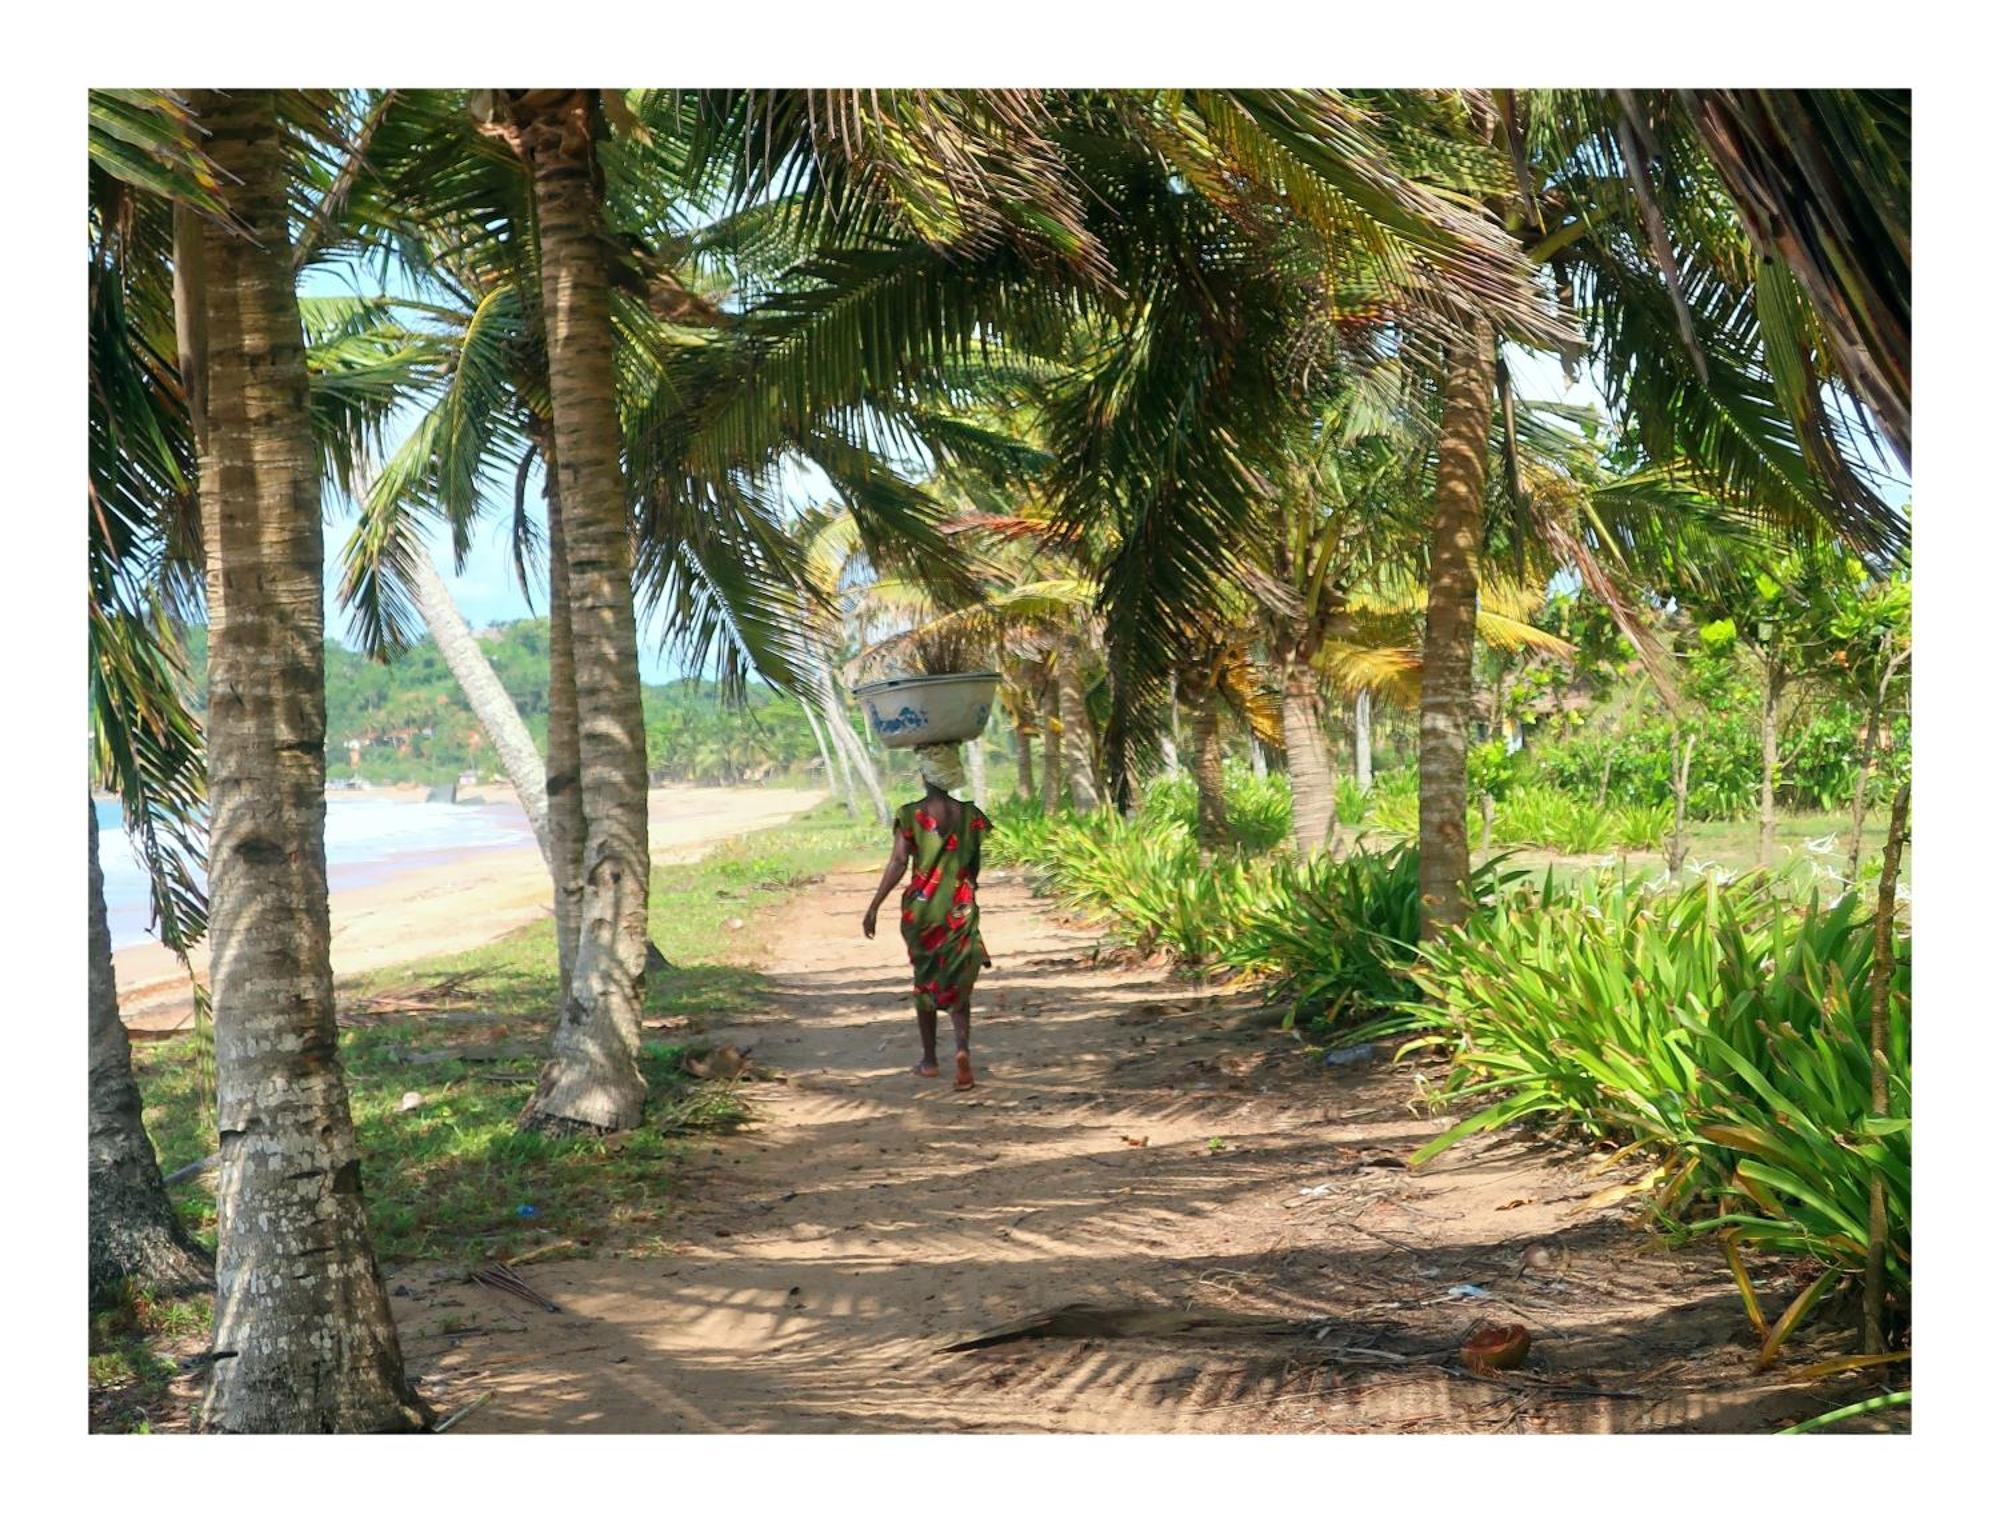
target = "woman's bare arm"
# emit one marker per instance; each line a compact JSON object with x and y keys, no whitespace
{"x":892,"y":874}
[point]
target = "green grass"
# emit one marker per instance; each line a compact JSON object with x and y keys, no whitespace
{"x":133,"y":1348}
{"x":446,"y":1179}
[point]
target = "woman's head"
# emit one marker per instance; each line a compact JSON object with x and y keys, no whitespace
{"x":941,"y":766}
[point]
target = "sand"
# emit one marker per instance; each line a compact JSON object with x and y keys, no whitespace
{"x":1226,"y":1229}
{"x":446,"y":903}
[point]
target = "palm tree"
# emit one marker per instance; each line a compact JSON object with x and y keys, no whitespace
{"x":490,"y":703}
{"x":832,"y":543}
{"x":135,"y":1233}
{"x":1444,"y":861}
{"x":1709,"y":356}
{"x":152,"y":189}
{"x":592,"y":1079}
{"x":146,"y":740}
{"x":713,"y":556}
{"x":1821,"y":179}
{"x":303,"y":1335}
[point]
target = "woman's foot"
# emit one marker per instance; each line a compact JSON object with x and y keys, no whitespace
{"x":925,"y":1068}
{"x":963,"y":1079}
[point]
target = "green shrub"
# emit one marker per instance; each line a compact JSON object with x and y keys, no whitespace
{"x":1339,"y":936}
{"x":1260,"y":809}
{"x":1538,"y":815}
{"x":1392,"y":802}
{"x":1351,"y":802}
{"x":1642,"y":827}
{"x":1819,"y":758}
{"x":1725,"y":1027}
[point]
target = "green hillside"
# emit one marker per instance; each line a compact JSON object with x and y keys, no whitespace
{"x":413,"y":724}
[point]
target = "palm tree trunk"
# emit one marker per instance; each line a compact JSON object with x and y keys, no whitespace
{"x":563,"y":779}
{"x":1075,"y":717}
{"x":1024,"y":759}
{"x":490,"y":703}
{"x":1364,"y":740}
{"x":858,"y":759}
{"x":1767,"y":789}
{"x":1444,"y":861}
{"x":1170,"y":745}
{"x":304,"y":1342}
{"x":1211,"y":806}
{"x":1260,"y":764}
{"x":135,"y":1233}
{"x":846,"y":771}
{"x":1052,"y":751}
{"x":826,"y":758}
{"x":592,"y":1078}
{"x":1315,"y":813}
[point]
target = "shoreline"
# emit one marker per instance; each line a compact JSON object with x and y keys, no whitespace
{"x":458,"y":899}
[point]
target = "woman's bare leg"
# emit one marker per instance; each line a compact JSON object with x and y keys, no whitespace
{"x":927,"y":1066}
{"x":961,"y":1030}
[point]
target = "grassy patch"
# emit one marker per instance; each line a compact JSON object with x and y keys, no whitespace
{"x":135,"y":1346}
{"x":449,"y":1176}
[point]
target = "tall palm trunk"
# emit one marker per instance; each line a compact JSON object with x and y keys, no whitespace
{"x":826,"y":760}
{"x":1075,"y":716}
{"x":1052,"y":751}
{"x":851,"y":746}
{"x":1170,"y":747}
{"x":1024,"y":758}
{"x":1444,"y":859}
{"x":846,"y":770}
{"x":1767,"y":782}
{"x":1364,"y":740}
{"x":1308,"y":762}
{"x":304,"y":1342}
{"x":1205,"y":736}
{"x":563,"y":779}
{"x":134,"y":1232}
{"x":491,"y":705}
{"x":592,"y":1078}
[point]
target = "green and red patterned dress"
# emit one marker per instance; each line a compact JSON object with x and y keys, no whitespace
{"x":941,"y":906}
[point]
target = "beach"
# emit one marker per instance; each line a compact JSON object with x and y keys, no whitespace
{"x":450,"y":887}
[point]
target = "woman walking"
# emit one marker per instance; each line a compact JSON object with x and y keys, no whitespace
{"x":939,"y":838}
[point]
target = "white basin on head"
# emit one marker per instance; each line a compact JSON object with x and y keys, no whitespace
{"x":928,"y":711}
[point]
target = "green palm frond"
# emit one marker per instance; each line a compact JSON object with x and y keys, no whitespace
{"x":1019,"y":620}
{"x":1822,"y":181}
{"x":149,"y":140}
{"x":144,"y":562}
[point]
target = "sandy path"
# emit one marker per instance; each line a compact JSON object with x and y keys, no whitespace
{"x":872,"y":1218}
{"x":456,"y":903}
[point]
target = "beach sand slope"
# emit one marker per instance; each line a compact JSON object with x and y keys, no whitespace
{"x":439,"y":903}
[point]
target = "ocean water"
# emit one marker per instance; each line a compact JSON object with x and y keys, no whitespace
{"x":367,"y":840}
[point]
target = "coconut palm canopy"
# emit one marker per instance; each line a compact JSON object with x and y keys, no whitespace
{"x":1168,"y":283}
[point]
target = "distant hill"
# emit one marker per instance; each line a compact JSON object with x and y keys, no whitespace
{"x":413,"y":725}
